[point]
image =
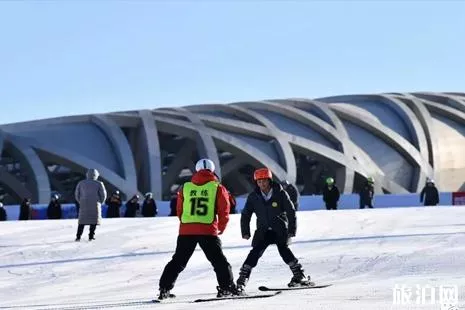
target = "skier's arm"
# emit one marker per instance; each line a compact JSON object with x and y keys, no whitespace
{"x":290,"y":212}
{"x":222,"y":207}
{"x":246,"y":215}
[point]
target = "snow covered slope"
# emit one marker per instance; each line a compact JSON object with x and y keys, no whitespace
{"x":364,"y":253}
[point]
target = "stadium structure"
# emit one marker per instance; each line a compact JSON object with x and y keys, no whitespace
{"x":400,"y":139}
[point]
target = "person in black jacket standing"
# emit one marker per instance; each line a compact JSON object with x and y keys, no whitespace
{"x":367,"y":193}
{"x":132,"y":206}
{"x":331,"y":194}
{"x":149,"y":206}
{"x":293,"y":193}
{"x":276,"y":224}
{"x":25,"y":210}
{"x":3,"y":215}
{"x":429,"y":194}
{"x":54,"y":208}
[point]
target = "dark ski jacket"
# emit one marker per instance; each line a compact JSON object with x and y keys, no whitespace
{"x":276,"y":214}
{"x":331,"y":196}
{"x":25,"y":210}
{"x":429,"y":195}
{"x":367,"y":193}
{"x":54,"y":210}
{"x":3,"y":216}
{"x":149,"y":208}
{"x":131,"y":208}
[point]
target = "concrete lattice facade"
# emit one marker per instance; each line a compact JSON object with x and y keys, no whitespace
{"x":398,"y":138}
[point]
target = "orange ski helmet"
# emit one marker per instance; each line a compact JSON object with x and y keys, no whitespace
{"x":262,"y":173}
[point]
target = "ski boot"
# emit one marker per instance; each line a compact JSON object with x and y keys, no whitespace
{"x":244,"y":275}
{"x":231,"y":290}
{"x":164,"y":294}
{"x":299,"y":278}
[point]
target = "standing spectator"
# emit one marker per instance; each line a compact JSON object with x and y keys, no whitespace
{"x":293,"y":193}
{"x":90,"y":194}
{"x":331,"y":194}
{"x":114,"y":203}
{"x":149,"y":206}
{"x":25,"y":210}
{"x":54,"y":209}
{"x":173,"y":203}
{"x":132,"y":206}
{"x":429,"y":194}
{"x":3,"y":216}
{"x":367,"y":194}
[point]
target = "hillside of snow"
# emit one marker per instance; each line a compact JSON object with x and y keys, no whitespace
{"x":363,"y":253}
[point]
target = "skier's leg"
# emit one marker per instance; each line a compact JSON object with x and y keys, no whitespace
{"x":299,"y":277}
{"x":184,"y":249}
{"x":251,"y":261}
{"x":328,"y":206}
{"x":79,"y":232}
{"x":211,"y":246}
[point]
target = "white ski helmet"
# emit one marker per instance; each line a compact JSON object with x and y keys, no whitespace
{"x":205,"y":164}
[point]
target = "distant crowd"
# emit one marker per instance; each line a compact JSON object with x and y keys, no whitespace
{"x":429,"y":196}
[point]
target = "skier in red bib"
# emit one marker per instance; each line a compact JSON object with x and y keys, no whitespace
{"x":203,"y":209}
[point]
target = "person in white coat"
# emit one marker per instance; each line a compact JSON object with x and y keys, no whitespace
{"x":90,"y":194}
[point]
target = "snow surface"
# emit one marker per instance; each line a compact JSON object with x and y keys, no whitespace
{"x":363,"y":253}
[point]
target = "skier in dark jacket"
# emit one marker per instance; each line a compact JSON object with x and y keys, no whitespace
{"x":429,"y":195}
{"x":293,"y":193}
{"x":132,"y":206}
{"x":331,"y":194}
{"x":3,"y":215}
{"x":114,"y":204}
{"x":25,"y":210}
{"x":276,"y":224}
{"x":149,"y":206}
{"x":54,"y":208}
{"x":367,"y":194}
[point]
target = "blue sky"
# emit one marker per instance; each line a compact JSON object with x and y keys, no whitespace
{"x":60,"y":58}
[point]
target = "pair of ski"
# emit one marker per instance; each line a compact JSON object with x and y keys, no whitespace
{"x":273,"y":292}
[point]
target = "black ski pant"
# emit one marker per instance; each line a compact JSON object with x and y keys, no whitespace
{"x":80,"y":230}
{"x":186,"y":244}
{"x":369,"y":204}
{"x":331,"y":206}
{"x":258,"y":250}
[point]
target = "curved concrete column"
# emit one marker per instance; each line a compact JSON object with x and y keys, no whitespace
{"x":208,"y":148}
{"x":121,"y":146}
{"x":80,"y":163}
{"x":224,"y":140}
{"x":150,"y":145}
{"x":13,"y":184}
{"x":284,"y":149}
{"x":39,"y":183}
